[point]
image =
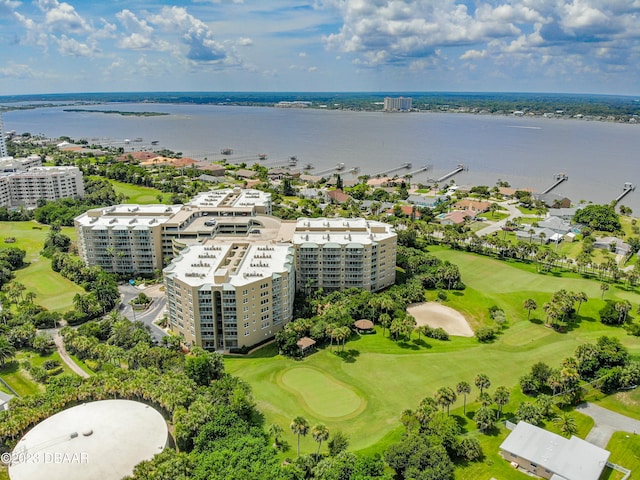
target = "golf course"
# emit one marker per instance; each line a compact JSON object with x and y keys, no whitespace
{"x":364,"y":389}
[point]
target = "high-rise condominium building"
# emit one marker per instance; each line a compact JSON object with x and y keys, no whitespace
{"x":3,"y":144}
{"x":26,"y":187}
{"x":139,"y":239}
{"x":397,"y":104}
{"x":224,"y":295}
{"x":339,"y":253}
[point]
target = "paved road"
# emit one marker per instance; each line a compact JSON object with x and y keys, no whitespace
{"x":606,"y":423}
{"x":57,"y":339}
{"x":149,"y":316}
{"x":497,"y":226}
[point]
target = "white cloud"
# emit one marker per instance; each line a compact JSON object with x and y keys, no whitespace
{"x":62,"y":17}
{"x":202,"y":46}
{"x":140,"y":33}
{"x":16,"y":70}
{"x":473,"y":54}
{"x":72,"y":47}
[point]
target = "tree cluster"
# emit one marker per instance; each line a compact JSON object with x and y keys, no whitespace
{"x":599,"y":217}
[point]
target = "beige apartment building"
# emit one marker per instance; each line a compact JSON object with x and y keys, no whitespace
{"x":26,"y":187}
{"x":339,"y":253}
{"x":139,"y":239}
{"x":224,"y":295}
{"x":235,"y":267}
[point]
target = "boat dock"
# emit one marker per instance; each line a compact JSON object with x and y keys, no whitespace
{"x":425,"y":168}
{"x":391,"y":170}
{"x":459,"y":168}
{"x":339,"y":167}
{"x":559,"y":178}
{"x":627,"y":188}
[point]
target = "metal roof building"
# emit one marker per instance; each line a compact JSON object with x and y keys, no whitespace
{"x":102,"y":440}
{"x":551,"y":456}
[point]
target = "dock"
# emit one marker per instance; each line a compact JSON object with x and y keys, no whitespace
{"x":425,"y":168}
{"x":391,"y":170}
{"x":339,"y":167}
{"x":559,"y":178}
{"x":627,"y":188}
{"x":458,"y":169}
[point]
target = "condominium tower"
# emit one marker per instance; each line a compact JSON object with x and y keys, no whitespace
{"x":397,"y":104}
{"x":25,"y":187}
{"x":224,"y":295}
{"x":339,"y":253}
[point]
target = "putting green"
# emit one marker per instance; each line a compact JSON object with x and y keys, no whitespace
{"x":323,"y":395}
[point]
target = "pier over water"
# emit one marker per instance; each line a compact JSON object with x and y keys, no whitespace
{"x":459,"y":168}
{"x":627,"y":188}
{"x":559,"y":178}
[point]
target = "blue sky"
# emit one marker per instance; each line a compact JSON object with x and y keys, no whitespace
{"x":582,"y":46}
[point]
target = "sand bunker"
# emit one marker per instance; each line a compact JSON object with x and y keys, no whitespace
{"x":436,"y":315}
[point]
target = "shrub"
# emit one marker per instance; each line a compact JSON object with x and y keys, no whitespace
{"x":633,"y":329}
{"x":469,"y":449}
{"x":485,"y":334}
{"x":49,"y":364}
{"x":435,"y":333}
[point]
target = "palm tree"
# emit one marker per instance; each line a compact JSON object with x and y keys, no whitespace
{"x":320,"y":433}
{"x":330,"y":331}
{"x":501,"y":398}
{"x":566,"y":424}
{"x":445,"y":396}
{"x":603,"y":288}
{"x":623,"y":309}
{"x":463,"y":388}
{"x":275,"y":430}
{"x":7,"y":350}
{"x":300,"y":427}
{"x":385,"y":321}
{"x":529,"y":304}
{"x":482,"y":381}
{"x":580,"y":297}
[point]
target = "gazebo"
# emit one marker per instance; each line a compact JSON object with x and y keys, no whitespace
{"x":363,"y":325}
{"x":305,"y":344}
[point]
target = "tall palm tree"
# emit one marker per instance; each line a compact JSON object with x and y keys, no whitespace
{"x":385,"y":321}
{"x":603,"y":288}
{"x":501,"y":398}
{"x":580,"y":297}
{"x":482,"y":381}
{"x":320,"y":433}
{"x":463,"y":388}
{"x":529,"y":304}
{"x":445,"y":397}
{"x":300,"y":427}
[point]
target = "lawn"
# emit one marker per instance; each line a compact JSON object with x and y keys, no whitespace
{"x":52,"y":290}
{"x":19,"y":379}
{"x":625,"y":451}
{"x":138,"y":194}
{"x":392,"y":377}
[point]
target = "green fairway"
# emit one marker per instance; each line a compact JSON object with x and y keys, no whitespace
{"x":323,"y":395}
{"x":52,"y":290}
{"x":138,"y":194}
{"x":392,"y":377}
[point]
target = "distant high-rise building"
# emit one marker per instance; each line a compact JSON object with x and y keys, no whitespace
{"x":397,"y":104}
{"x":3,"y":145}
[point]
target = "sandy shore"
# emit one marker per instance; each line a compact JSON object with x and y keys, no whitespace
{"x":436,"y":315}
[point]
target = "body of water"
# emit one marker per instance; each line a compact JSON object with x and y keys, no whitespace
{"x":598,"y":157}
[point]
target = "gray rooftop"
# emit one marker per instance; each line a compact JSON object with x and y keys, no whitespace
{"x":98,"y":440}
{"x":571,"y":459}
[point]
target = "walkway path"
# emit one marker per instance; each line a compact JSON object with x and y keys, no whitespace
{"x":606,"y":423}
{"x":65,"y":356}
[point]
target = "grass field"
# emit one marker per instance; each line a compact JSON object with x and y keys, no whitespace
{"x":392,"y":377}
{"x":625,"y":451}
{"x":52,"y":290}
{"x":138,"y":194}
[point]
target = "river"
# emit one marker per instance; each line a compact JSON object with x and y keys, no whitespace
{"x":598,"y":157}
